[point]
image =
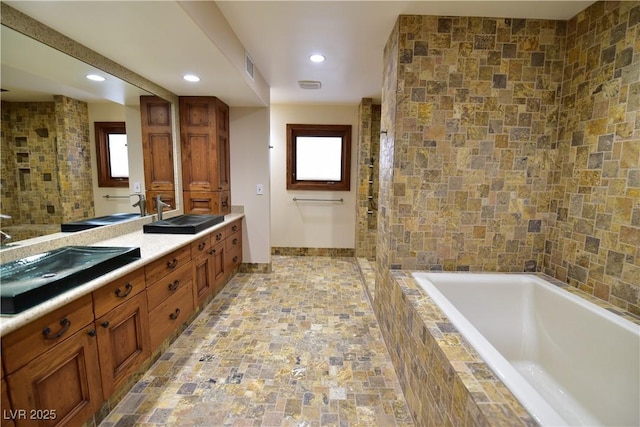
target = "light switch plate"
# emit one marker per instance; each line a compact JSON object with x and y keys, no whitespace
{"x":259,"y":189}
{"x":136,"y":187}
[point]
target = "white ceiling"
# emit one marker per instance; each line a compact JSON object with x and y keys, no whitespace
{"x":160,"y":41}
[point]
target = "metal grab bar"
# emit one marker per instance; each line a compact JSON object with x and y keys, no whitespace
{"x":295,"y":199}
{"x":115,"y":197}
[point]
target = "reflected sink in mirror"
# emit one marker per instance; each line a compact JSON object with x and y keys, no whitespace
{"x":183,"y":224}
{"x":29,"y":281}
{"x":99,"y":221}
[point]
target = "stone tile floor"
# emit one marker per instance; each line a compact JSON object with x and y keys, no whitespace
{"x":297,"y":347}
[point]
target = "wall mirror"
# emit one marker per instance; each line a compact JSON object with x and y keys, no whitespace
{"x":47,"y":178}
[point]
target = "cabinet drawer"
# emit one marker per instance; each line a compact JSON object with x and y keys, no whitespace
{"x":233,"y":240}
{"x":201,"y":246}
{"x":218,"y":236}
{"x":167,"y":264}
{"x":170,"y":314}
{"x":28,"y":342}
{"x":234,"y":227}
{"x":233,"y":258}
{"x":169,"y":285}
{"x":115,"y":293}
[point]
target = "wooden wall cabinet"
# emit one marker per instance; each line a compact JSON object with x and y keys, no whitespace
{"x":204,"y":135}
{"x":157,"y":150}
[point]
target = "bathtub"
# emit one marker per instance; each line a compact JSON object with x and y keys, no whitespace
{"x":568,"y":361}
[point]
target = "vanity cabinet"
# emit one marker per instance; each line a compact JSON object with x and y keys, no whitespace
{"x":203,"y":269}
{"x":169,"y":293}
{"x":233,"y":245}
{"x":57,"y":381}
{"x":157,"y":150}
{"x":5,"y":403}
{"x":204,"y":135}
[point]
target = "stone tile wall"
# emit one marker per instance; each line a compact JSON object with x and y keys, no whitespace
{"x":29,"y":167}
{"x":74,"y":158}
{"x":368,"y":182}
{"x":46,"y":164}
{"x":594,"y":237}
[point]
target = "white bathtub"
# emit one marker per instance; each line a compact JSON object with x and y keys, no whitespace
{"x":568,"y":361}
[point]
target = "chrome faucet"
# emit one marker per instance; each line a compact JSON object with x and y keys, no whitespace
{"x":160,"y":205}
{"x":4,"y":237}
{"x":141,"y":203}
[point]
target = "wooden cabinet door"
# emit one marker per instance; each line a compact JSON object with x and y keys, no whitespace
{"x":222,"y":140}
{"x":123,"y":341}
{"x":62,"y":384}
{"x":198,"y":136}
{"x":203,"y":277}
{"x":219,"y":266}
{"x":157,"y":146}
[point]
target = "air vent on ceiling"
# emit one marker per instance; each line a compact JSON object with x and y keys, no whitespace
{"x":248,"y":64}
{"x":309,"y":84}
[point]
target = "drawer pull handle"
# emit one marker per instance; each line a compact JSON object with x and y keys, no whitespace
{"x":175,"y":314}
{"x":235,"y":258}
{"x":218,"y":237}
{"x":92,"y":333}
{"x":128,"y":288}
{"x":212,"y":251}
{"x":202,"y":245}
{"x":105,"y":324}
{"x":235,"y":241}
{"x":65,"y":323}
{"x":172,"y":264}
{"x":225,"y":203}
{"x":173,"y":286}
{"x":234,"y":228}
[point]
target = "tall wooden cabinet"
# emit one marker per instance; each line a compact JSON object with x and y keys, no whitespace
{"x":157,"y":149}
{"x":204,"y":135}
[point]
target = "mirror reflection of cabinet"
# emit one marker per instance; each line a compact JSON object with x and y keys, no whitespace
{"x":157,"y":149}
{"x":204,"y":135}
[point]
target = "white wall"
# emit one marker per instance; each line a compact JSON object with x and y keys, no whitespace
{"x":249,"y":152}
{"x":112,"y":112}
{"x":311,"y":224}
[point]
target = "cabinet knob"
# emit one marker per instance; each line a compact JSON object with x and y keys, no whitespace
{"x":173,"y":286}
{"x":127,"y":291}
{"x":202,"y":245}
{"x":235,"y":258}
{"x":92,"y":333}
{"x":234,"y":228}
{"x":175,"y":314}
{"x":172,"y":264}
{"x":65,"y":325}
{"x":212,"y":251}
{"x":105,"y":324}
{"x":235,"y":241}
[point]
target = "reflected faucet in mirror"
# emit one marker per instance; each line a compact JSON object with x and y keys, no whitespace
{"x":141,"y":203}
{"x":160,"y":205}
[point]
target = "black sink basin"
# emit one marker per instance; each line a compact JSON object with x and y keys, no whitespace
{"x":99,"y":221}
{"x":29,"y":281}
{"x":183,"y":224}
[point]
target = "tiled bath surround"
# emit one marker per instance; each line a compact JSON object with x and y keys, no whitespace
{"x":509,"y":143}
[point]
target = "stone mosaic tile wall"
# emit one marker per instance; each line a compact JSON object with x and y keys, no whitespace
{"x":594,"y":239}
{"x":368,"y":182}
{"x":475,"y":141}
{"x":74,"y":159}
{"x":46,"y":164}
{"x":29,"y":168}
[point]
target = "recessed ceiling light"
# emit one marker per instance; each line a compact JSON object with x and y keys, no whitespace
{"x":191,"y":78}
{"x":95,"y":78}
{"x":317,"y":58}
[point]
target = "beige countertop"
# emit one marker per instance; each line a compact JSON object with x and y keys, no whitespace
{"x":152,"y":247}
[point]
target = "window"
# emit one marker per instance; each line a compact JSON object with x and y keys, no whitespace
{"x":319,"y":157}
{"x":112,"y":154}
